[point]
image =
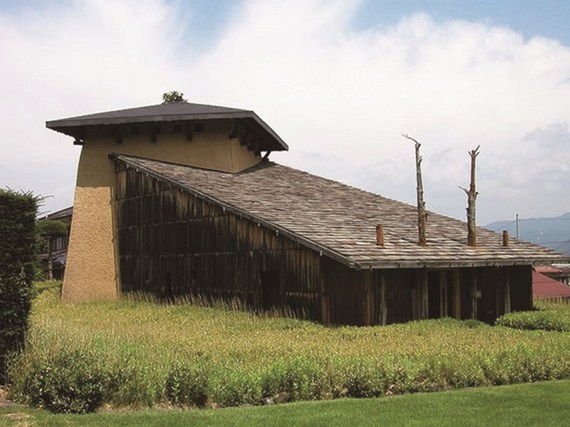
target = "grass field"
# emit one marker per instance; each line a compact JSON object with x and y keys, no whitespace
{"x":139,"y":354}
{"x":537,"y":404}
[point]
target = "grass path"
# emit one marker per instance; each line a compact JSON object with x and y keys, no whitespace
{"x":543,"y":404}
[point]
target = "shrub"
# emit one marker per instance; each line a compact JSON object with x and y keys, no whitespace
{"x":235,"y":387}
{"x":69,"y":382}
{"x":549,"y":317}
{"x":187,"y":385}
{"x":17,"y":257}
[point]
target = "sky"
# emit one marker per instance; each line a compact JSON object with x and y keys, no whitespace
{"x":339,"y":81}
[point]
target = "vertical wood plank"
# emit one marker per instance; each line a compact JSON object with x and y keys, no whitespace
{"x":507,"y":291}
{"x":383,"y":312}
{"x":457,"y":294}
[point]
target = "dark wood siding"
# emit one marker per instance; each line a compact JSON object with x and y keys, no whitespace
{"x":172,"y":243}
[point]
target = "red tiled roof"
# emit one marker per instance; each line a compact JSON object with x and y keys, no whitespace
{"x":545,"y":269}
{"x":545,"y":287}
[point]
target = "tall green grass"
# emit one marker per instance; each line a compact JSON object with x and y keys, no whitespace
{"x":136,"y":353}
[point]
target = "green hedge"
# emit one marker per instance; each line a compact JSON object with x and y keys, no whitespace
{"x":17,"y":257}
{"x":548,"y":317}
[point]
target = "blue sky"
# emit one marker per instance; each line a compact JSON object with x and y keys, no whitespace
{"x":531,"y":18}
{"x":339,"y":80}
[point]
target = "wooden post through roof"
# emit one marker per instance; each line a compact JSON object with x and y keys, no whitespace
{"x":419,"y":194}
{"x":471,"y":198}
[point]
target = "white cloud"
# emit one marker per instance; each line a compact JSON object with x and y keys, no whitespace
{"x":340,"y":97}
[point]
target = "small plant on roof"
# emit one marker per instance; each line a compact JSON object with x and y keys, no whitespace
{"x":172,"y":97}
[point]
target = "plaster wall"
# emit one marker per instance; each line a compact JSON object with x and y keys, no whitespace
{"x":91,"y":272}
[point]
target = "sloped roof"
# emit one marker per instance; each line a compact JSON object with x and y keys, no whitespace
{"x":60,"y":214}
{"x":173,"y":112}
{"x":546,"y":269}
{"x":339,"y":220}
{"x":546,"y":287}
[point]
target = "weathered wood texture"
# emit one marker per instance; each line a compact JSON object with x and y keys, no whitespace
{"x":172,"y":243}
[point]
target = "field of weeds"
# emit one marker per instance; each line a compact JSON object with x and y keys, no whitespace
{"x":80,"y":357}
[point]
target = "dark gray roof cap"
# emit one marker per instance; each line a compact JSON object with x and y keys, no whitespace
{"x":173,"y":112}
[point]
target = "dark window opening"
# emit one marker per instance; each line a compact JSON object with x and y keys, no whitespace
{"x":199,"y":127}
{"x":270,"y":290}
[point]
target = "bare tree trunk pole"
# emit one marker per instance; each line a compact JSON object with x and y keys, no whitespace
{"x":419,"y":194}
{"x":471,"y":199}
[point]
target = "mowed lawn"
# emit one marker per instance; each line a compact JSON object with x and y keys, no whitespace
{"x":537,"y":404}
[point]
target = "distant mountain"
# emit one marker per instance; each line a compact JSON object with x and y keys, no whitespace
{"x":552,"y":232}
{"x":563,"y":248}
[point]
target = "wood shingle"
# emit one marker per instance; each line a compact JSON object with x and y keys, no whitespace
{"x":340,"y":221}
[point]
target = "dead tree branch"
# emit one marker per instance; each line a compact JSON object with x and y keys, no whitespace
{"x":422,"y":215}
{"x":471,"y":199}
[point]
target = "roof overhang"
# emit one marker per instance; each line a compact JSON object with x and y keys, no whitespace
{"x":76,"y":126}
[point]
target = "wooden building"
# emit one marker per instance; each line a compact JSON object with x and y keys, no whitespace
{"x":186,"y":220}
{"x":56,"y":248}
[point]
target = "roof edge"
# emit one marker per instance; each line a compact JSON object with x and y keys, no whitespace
{"x":323,"y":250}
{"x":66,"y":126}
{"x":461,"y":264}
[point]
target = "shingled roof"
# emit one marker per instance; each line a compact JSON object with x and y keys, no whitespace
{"x":340,"y":221}
{"x":173,"y":112}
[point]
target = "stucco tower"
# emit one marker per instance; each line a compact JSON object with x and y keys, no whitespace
{"x":205,"y":136}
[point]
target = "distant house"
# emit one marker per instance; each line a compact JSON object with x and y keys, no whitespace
{"x":58,"y":245}
{"x":558,"y":272}
{"x":546,"y":288}
{"x":179,"y":199}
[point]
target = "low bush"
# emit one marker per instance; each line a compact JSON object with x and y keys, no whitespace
{"x":68,"y":382}
{"x":547,"y":317}
{"x":187,"y":385}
